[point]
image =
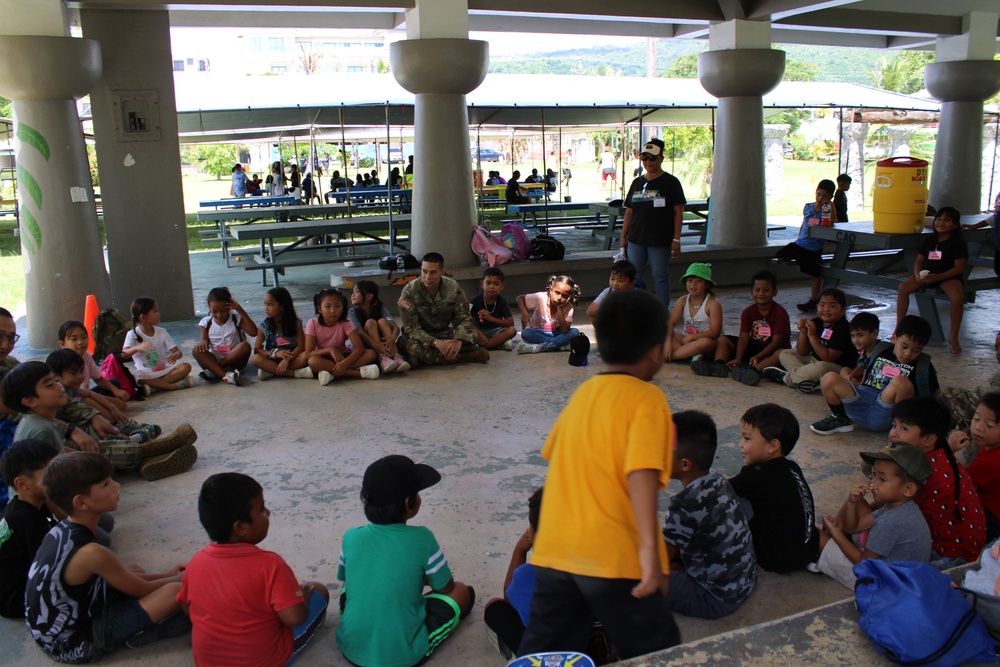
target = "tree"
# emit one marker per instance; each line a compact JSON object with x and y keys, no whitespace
{"x":310,"y":61}
{"x":217,"y":159}
{"x":685,"y":67}
{"x":903,"y":74}
{"x":6,"y":107}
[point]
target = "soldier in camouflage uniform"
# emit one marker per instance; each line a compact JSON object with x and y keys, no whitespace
{"x":436,"y":319}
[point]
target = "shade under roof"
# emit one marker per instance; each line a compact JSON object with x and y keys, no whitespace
{"x":291,"y":104}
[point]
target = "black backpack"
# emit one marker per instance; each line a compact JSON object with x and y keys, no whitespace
{"x":544,"y":246}
{"x":109,"y":332}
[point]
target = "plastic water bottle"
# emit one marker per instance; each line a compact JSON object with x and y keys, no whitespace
{"x":400,"y":264}
{"x":824,"y":218}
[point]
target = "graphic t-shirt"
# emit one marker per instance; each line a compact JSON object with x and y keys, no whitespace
{"x":538,"y":304}
{"x":21,"y":532}
{"x":884,"y":367}
{"x":222,"y":338}
{"x":837,"y":337}
{"x":275,"y":339}
{"x":763,"y":328}
{"x":153,"y":361}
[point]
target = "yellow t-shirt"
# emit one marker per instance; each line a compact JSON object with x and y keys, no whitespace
{"x":613,"y":425}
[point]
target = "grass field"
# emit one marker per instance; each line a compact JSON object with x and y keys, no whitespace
{"x":800,"y":178}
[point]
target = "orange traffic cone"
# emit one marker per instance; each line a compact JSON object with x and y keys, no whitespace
{"x":89,"y":317}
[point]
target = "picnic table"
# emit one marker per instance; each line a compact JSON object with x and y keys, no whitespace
{"x":378,"y":196}
{"x":858,"y":238}
{"x":276,"y":260}
{"x":546,"y":208}
{"x":236,"y":202}
{"x":697,"y":228}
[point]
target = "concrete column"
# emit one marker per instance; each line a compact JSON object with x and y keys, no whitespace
{"x":739,"y":70}
{"x":853,"y":143}
{"x":440,"y":65}
{"x":774,"y":160}
{"x":44,"y":71}
{"x":900,"y":136}
{"x":991,"y":167}
{"x":964,"y":75}
{"x":135,"y":125}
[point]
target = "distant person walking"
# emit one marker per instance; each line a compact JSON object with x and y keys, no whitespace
{"x":608,"y":169}
{"x":654,"y":210}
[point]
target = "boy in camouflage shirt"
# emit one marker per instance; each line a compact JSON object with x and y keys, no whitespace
{"x":708,"y":537}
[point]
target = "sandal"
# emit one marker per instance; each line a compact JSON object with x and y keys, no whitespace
{"x":954,"y":350}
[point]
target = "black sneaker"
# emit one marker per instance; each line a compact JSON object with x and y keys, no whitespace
{"x":472,"y":603}
{"x":171,"y":627}
{"x":807,"y":307}
{"x":209,"y":377}
{"x":774,"y":374}
{"x":832,"y":424}
{"x":705,"y":368}
{"x":746,"y":374}
{"x":807,"y":386}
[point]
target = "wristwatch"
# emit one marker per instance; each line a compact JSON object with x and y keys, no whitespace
{"x":70,"y":427}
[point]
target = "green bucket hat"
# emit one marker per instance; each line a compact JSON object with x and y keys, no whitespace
{"x":699,"y":270}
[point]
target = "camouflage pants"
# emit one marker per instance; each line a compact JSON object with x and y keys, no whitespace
{"x":431,"y":355}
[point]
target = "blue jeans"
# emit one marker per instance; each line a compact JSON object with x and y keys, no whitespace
{"x":659,"y":261}
{"x":550,"y":342}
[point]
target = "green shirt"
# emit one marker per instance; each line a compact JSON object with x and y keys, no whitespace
{"x":384,"y":570}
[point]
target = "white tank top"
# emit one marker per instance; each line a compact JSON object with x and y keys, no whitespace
{"x":699,"y":322}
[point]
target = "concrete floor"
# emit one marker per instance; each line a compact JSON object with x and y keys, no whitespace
{"x":482,"y":427}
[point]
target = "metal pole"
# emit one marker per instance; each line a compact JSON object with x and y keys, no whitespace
{"x":343,"y":161}
{"x":545,"y":179}
{"x":840,"y":144}
{"x":388,"y":191}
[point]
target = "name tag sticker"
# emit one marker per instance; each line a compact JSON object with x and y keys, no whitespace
{"x":934,"y":254}
{"x":659,"y":202}
{"x":826,"y":334}
{"x":222,"y":349}
{"x":890,"y":371}
{"x":549,"y":327}
{"x":764,"y":332}
{"x":690,"y":331}
{"x":813,"y":221}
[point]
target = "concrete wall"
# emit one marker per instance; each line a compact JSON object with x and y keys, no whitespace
{"x":140,"y":164}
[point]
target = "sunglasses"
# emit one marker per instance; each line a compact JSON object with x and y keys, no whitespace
{"x":645,"y":157}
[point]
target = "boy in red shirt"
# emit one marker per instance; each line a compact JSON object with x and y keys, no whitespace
{"x":246,"y":606}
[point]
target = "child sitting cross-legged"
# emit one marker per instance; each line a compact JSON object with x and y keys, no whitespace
{"x":153,"y":351}
{"x":864,"y":335}
{"x":81,"y":601}
{"x":494,"y":323}
{"x":894,"y":372}
{"x":547,"y":317}
{"x":713,"y":567}
{"x":246,"y":606}
{"x":386,"y":619}
{"x":73,"y":335}
{"x":373,"y":322}
{"x":700,"y":314}
{"x":891,"y":528}
{"x":773,"y":491}
{"x":31,"y":388}
{"x":333,"y":347}
{"x":764,"y":332}
{"x":224,"y":350}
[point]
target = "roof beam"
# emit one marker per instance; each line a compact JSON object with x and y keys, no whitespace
{"x":568,"y":26}
{"x":640,"y":10}
{"x":779,"y":9}
{"x":888,"y":23}
{"x":221,"y":18}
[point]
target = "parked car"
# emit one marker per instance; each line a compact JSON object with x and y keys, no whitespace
{"x":394,"y":155}
{"x":486,"y":155}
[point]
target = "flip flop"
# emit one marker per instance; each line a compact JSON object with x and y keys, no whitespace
{"x":954,"y":350}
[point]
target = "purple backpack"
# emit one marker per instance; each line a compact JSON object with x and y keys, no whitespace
{"x":515,"y":238}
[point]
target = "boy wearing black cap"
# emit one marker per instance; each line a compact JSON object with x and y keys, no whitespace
{"x":891,"y":528}
{"x":386,"y":620}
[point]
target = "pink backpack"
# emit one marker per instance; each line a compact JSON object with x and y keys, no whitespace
{"x":515,"y":238}
{"x":488,"y":247}
{"x":113,"y":370}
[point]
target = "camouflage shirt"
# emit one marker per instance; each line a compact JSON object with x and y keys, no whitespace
{"x":708,"y":527}
{"x":444,"y":315}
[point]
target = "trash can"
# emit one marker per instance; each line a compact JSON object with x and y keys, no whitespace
{"x":900,"y":199}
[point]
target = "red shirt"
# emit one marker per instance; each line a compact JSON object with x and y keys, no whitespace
{"x":235,"y":592}
{"x":985,"y":473}
{"x":950,"y":537}
{"x":763,"y":328}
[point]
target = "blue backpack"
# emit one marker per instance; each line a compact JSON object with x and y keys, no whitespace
{"x":913,"y":615}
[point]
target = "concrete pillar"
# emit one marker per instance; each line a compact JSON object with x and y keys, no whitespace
{"x":439,"y":64}
{"x":739,"y":69}
{"x":964,"y":75}
{"x":44,"y":71}
{"x":774,"y":160}
{"x":853,"y":145}
{"x":135,"y":125}
{"x":899,"y":136}
{"x":991,"y":167}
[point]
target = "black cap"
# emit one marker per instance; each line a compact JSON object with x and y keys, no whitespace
{"x":579,"y":347}
{"x":394,"y":478}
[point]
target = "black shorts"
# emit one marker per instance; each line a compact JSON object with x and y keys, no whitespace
{"x":754,"y":347}
{"x":564,"y":607}
{"x":808,"y":260}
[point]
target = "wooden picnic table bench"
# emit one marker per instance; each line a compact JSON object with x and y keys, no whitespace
{"x":237,"y":202}
{"x":276,"y":260}
{"x":852,"y":237}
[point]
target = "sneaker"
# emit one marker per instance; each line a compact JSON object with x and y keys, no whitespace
{"x":697,"y":357}
{"x":171,"y":627}
{"x":168,"y":465}
{"x":182,"y":436}
{"x":746,"y":374}
{"x":480,"y":355}
{"x":387,"y":364}
{"x":401,"y":364}
{"x":813,"y":566}
{"x":808,"y":386}
{"x":233,"y":378}
{"x":832,"y":424}
{"x":715,"y":369}
{"x":807,"y":307}
{"x":528,"y":348}
{"x":209,"y":377}
{"x":498,"y":645}
{"x":147,"y":391}
{"x":774,"y":374}
{"x":184,"y":383}
{"x":472,"y":603}
{"x":305,"y":373}
{"x":508,"y":345}
{"x":264,"y":375}
{"x":369,"y":372}
{"x":325,"y":378}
